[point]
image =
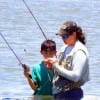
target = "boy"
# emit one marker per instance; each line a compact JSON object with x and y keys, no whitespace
{"x":40,"y":80}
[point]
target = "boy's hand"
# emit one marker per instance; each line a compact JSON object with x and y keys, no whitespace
{"x":25,"y":67}
{"x":26,"y":70}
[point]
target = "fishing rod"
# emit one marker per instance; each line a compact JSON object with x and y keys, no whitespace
{"x":35,"y":19}
{"x":11,"y":49}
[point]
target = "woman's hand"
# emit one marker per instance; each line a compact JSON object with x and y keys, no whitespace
{"x":49,"y":62}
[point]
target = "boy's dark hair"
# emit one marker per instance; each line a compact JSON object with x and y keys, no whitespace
{"x":48,"y":45}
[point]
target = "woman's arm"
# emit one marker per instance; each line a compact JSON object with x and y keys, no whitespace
{"x":78,"y":65}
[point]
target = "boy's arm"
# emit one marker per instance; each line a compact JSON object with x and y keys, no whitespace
{"x":32,"y":84}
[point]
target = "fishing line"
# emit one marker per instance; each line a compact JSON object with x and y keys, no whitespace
{"x":11,"y":48}
{"x":35,"y":19}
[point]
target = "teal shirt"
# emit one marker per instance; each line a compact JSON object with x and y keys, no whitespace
{"x":43,"y":77}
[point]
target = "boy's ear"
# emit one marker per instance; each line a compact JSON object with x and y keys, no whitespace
{"x":41,"y":52}
{"x":55,"y":52}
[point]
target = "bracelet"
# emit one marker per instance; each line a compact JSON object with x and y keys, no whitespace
{"x":30,"y":76}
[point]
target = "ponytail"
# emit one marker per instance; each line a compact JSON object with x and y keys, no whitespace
{"x":80,"y":35}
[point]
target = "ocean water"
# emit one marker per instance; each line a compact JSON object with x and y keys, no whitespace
{"x":24,"y":36}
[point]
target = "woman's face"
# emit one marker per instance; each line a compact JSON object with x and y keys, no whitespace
{"x":70,"y":40}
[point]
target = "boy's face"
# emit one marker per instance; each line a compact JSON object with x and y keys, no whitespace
{"x":48,"y":54}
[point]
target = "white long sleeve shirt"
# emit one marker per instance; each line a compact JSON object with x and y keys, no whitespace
{"x":80,"y":64}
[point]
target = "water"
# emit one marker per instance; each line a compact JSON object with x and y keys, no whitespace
{"x":24,"y":36}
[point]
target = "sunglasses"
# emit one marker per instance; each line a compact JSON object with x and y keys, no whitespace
{"x":64,"y":36}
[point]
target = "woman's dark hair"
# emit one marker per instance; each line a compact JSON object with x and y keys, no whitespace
{"x":48,"y":45}
{"x":69,"y":27}
{"x":80,"y":35}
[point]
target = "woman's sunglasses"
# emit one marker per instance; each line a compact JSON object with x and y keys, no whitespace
{"x":64,"y":36}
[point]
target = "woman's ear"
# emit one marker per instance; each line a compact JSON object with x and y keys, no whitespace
{"x":74,"y":33}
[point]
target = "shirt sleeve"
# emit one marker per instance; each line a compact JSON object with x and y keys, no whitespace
{"x":78,"y":65}
{"x":33,"y":74}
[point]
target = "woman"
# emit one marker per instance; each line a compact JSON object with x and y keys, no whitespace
{"x":71,"y":65}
